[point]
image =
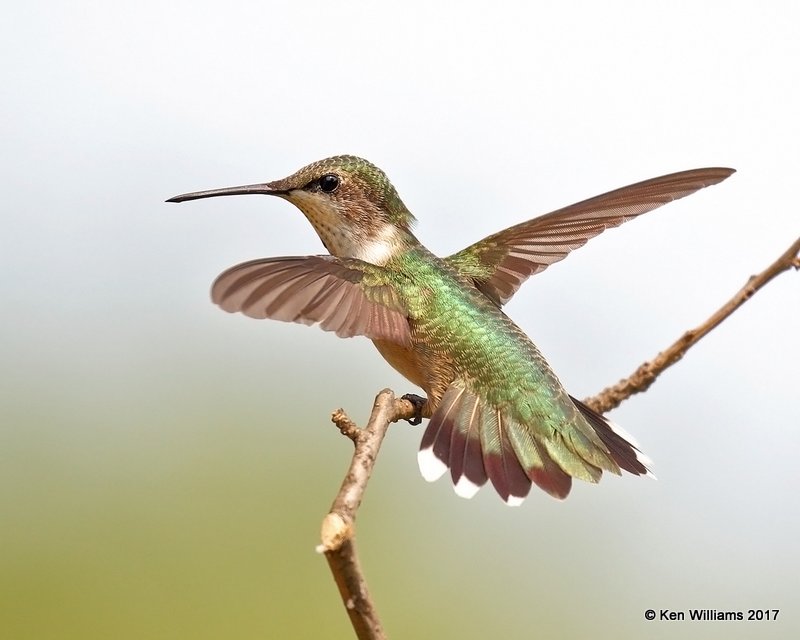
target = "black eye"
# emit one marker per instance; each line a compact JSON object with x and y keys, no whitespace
{"x":329,"y":182}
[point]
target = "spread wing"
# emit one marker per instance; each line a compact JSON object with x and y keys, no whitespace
{"x":500,"y":263}
{"x":347,"y":296}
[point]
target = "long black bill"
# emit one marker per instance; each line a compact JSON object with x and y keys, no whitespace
{"x":228,"y":191}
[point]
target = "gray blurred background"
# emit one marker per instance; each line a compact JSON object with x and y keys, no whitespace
{"x":164,"y":466}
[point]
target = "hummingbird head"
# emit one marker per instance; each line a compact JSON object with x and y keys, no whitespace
{"x":350,"y":202}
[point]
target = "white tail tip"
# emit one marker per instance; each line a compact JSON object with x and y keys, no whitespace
{"x":465,"y":488}
{"x":430,"y":466}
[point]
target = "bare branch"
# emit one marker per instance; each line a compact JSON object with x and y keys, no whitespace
{"x":647,"y":373}
{"x":338,"y":526}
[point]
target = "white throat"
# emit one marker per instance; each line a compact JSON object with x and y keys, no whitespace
{"x":344,"y":243}
{"x":380,"y":249}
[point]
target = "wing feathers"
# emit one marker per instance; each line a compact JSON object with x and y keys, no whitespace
{"x":500,"y":263}
{"x":342,"y":295}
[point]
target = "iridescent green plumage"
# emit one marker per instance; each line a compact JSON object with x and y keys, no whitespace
{"x":489,"y":382}
{"x":497,"y":411}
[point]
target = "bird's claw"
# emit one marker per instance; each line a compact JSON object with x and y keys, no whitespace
{"x":417,"y":402}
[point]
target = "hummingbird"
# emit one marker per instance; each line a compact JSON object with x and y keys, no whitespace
{"x":497,"y":412}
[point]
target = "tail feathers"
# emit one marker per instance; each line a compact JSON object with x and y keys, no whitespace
{"x":621,"y":445}
{"x":538,"y":463}
{"x":501,"y":461}
{"x":479,"y":442}
{"x":444,"y":446}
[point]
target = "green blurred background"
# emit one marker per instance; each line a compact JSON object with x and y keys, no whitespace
{"x":164,"y":466}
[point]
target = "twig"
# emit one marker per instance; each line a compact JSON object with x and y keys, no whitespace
{"x":646,"y":374}
{"x":338,"y":526}
{"x":338,"y":533}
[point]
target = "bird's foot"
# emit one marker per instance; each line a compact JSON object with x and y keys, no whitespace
{"x":417,"y":402}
